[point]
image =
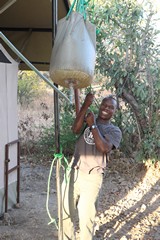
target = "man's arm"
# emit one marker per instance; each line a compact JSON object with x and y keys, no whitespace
{"x":78,"y":123}
{"x":103,"y":145}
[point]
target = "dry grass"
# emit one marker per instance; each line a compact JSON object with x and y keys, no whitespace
{"x":130,"y":168}
{"x":32,"y":119}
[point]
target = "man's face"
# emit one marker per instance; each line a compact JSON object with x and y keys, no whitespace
{"x":107,"y":109}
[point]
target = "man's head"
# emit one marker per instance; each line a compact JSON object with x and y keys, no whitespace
{"x":107,"y":108}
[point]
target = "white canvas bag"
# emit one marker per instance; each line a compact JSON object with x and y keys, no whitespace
{"x":74,"y":52}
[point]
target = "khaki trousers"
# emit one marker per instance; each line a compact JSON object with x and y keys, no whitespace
{"x":80,"y":190}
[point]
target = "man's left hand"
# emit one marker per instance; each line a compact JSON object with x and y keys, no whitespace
{"x":90,"y":119}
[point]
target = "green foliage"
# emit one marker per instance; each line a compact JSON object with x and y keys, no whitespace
{"x":67,"y":138}
{"x":127,"y":55}
{"x":29,"y":87}
{"x":46,"y":144}
{"x":150,"y":146}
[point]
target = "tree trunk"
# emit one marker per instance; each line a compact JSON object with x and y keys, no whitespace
{"x":129,"y":98}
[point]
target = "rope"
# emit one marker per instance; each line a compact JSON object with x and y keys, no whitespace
{"x":80,"y":6}
{"x":71,"y":9}
{"x":52,"y":220}
{"x":66,"y":166}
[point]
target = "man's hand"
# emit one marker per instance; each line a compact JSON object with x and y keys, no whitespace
{"x":90,"y":119}
{"x":89,"y":99}
{"x":79,"y":121}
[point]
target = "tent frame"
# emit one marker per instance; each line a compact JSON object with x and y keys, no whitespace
{"x":8,"y":171}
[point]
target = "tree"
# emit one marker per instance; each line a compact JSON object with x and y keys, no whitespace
{"x":29,"y":87}
{"x":128,"y":56}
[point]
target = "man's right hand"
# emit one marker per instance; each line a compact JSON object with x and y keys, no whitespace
{"x":89,"y":99}
{"x":78,"y":123}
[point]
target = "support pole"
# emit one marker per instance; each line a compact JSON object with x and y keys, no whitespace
{"x":57,"y":129}
{"x":8,"y":171}
{"x":77,"y":102}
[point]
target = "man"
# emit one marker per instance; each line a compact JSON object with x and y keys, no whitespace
{"x":84,"y":181}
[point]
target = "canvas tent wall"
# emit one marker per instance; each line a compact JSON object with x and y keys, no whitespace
{"x":8,"y":125}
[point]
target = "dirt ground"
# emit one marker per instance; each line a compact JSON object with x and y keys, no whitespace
{"x":129,"y":204}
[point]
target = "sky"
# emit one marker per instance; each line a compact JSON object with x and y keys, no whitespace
{"x":157,"y":7}
{"x":156,"y":4}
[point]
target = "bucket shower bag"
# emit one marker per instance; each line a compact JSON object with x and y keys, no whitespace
{"x":74,"y":52}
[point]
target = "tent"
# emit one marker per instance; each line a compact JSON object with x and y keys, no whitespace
{"x":30,"y":26}
{"x":8,"y":130}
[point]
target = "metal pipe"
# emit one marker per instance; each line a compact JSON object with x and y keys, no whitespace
{"x":6,"y":178}
{"x":12,"y":169}
{"x":15,"y":50}
{"x":18,"y":172}
{"x":57,"y":129}
{"x":77,"y":102}
{"x":25,"y":29}
{"x":8,"y":4}
{"x":8,"y":171}
{"x":12,"y":142}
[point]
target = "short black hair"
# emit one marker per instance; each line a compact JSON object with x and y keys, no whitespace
{"x":111,"y":96}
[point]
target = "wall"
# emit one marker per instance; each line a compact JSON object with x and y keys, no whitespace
{"x":8,"y":124}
